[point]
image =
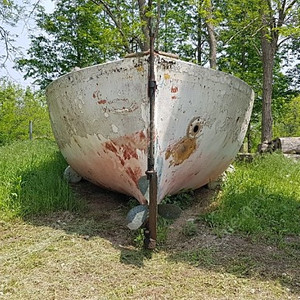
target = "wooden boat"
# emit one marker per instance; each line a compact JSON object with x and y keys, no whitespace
{"x":100,"y":119}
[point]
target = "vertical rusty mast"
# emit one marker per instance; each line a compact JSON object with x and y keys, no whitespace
{"x":150,"y":233}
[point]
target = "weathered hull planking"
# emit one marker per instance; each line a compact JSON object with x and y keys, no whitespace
{"x":100,"y":119}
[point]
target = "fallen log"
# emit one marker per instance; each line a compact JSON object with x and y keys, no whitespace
{"x":248,"y":157}
{"x":288,"y":145}
{"x":294,"y":157}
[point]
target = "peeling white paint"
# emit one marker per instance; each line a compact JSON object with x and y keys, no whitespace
{"x":100,"y":118}
{"x":114,"y":128}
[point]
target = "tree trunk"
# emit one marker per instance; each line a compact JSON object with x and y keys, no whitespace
{"x":145,"y":43}
{"x":199,"y":39}
{"x":211,"y":38}
{"x":268,"y":64}
{"x":269,"y":40}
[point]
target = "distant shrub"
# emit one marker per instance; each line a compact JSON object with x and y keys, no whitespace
{"x":18,"y":107}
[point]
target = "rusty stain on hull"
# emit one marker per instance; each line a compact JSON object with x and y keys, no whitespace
{"x":140,"y":69}
{"x":174,"y":89}
{"x":181,"y":151}
{"x":101,"y":101}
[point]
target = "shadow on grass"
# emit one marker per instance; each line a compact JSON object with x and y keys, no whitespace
{"x":104,"y":216}
{"x":265,"y":253}
{"x":83,"y":209}
{"x":244,"y":258}
{"x":135,"y":257}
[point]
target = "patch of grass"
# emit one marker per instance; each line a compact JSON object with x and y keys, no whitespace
{"x":203,"y":257}
{"x":184,"y":199}
{"x":242,"y":266}
{"x":189,"y":229}
{"x":260,"y":198}
{"x":162,"y":231}
{"x":31,"y":179}
{"x":45,"y":263}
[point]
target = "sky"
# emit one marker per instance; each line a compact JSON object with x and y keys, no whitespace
{"x":21,"y":31}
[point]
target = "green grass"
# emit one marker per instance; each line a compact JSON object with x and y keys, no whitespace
{"x":260,"y":198}
{"x":64,"y":255}
{"x":31,"y":180}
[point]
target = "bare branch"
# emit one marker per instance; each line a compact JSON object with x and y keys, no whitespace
{"x":257,"y":50}
{"x":237,"y":33}
{"x":291,"y":5}
{"x":34,"y":8}
{"x":4,"y":36}
{"x":283,"y":41}
{"x":115,"y":20}
{"x":258,"y":30}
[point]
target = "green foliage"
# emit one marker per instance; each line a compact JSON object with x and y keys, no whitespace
{"x":183,"y":200}
{"x":260,"y":198}
{"x":17,"y":108}
{"x":189,"y":229}
{"x":289,"y":123}
{"x":31,"y":180}
{"x":76,"y":34}
{"x":80,"y":33}
{"x":162,"y":231}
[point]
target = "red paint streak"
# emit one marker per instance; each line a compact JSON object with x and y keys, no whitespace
{"x":134,"y":174}
{"x":174,"y":89}
{"x":110,"y":146}
{"x":122,"y":161}
{"x":135,"y":141}
{"x":128,"y":152}
{"x":174,"y":97}
{"x":125,"y":147}
{"x":102,"y":101}
{"x":142,"y":135}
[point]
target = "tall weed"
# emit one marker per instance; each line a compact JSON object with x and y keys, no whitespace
{"x":31,"y":179}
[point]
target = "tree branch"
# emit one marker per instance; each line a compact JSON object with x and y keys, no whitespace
{"x":8,"y":46}
{"x":237,"y":33}
{"x":291,"y":5}
{"x":115,"y":20}
{"x":283,"y":41}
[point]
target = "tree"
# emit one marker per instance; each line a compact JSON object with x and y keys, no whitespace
{"x":9,"y":16}
{"x":82,"y":32}
{"x":289,"y":122}
{"x":17,"y":108}
{"x":252,"y":34}
{"x":278,"y":18}
{"x":205,"y":9}
{"x":77,"y":34}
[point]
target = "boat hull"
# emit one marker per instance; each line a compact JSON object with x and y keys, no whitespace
{"x":100,"y":119}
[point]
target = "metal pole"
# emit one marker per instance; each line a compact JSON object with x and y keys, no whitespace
{"x":150,"y":232}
